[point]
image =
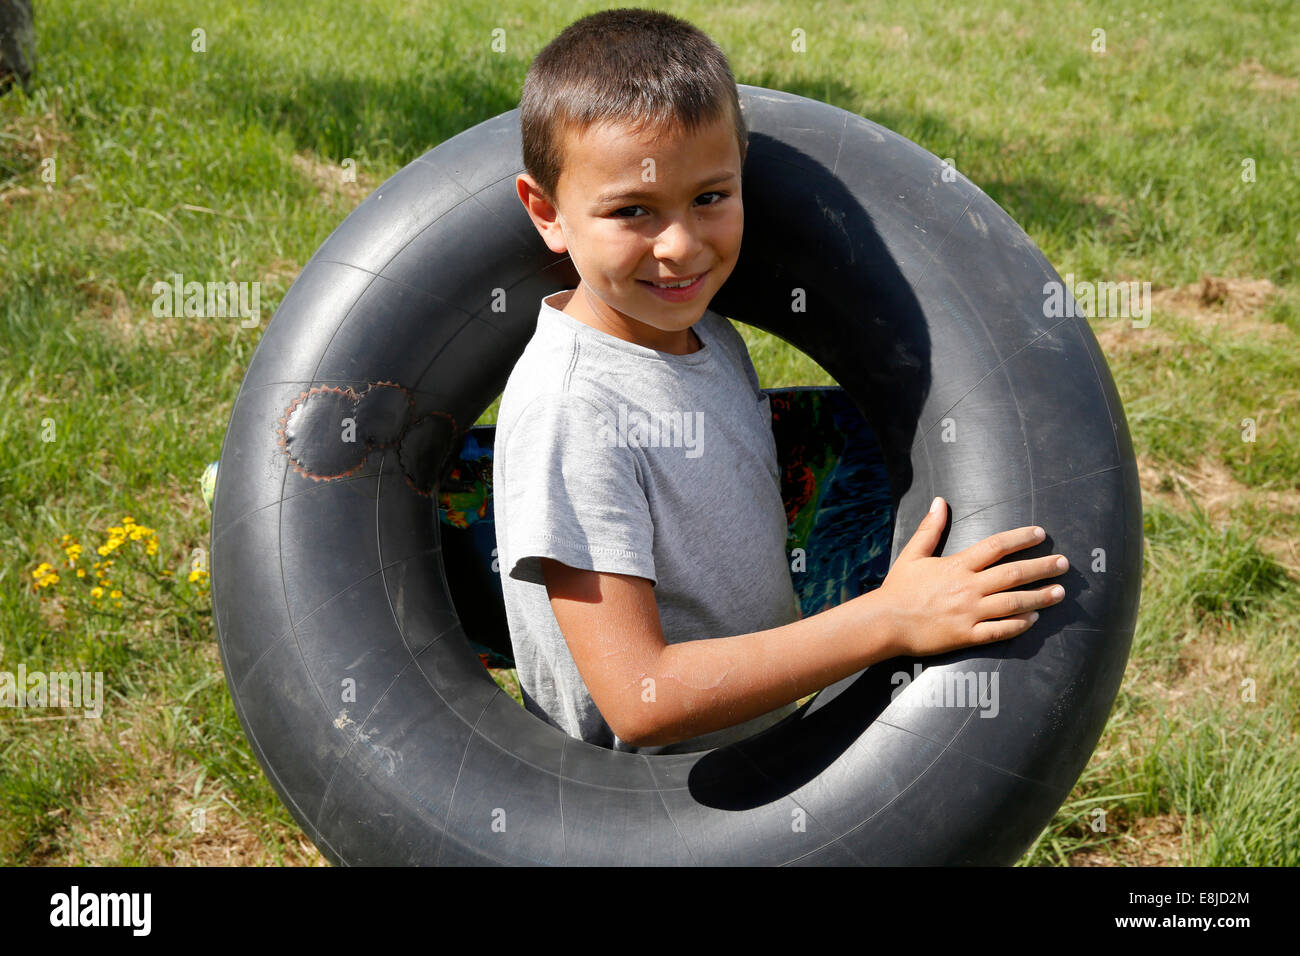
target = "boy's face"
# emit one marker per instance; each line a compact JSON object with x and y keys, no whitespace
{"x":688,"y":220}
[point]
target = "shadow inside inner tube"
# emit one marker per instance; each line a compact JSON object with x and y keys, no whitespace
{"x":865,"y":326}
{"x":773,"y":764}
{"x":861,"y":320}
{"x":776,"y":762}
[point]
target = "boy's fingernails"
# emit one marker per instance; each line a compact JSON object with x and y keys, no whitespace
{"x":934,"y":506}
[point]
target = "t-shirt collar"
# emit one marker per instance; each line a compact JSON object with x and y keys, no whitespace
{"x":550,"y":313}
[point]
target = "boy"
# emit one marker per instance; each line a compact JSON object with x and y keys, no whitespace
{"x":644,"y":571}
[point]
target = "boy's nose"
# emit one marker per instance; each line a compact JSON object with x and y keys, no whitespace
{"x":678,"y":242}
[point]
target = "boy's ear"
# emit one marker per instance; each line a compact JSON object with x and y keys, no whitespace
{"x":542,"y":212}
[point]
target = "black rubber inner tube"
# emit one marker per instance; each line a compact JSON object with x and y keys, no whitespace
{"x":349,"y":670}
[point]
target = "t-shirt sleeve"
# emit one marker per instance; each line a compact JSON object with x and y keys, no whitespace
{"x":573,"y":493}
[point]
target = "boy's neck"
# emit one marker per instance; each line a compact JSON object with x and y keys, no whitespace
{"x":684,"y":342}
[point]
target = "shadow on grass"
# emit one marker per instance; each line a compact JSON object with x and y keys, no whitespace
{"x":340,"y":116}
{"x":1038,"y":205}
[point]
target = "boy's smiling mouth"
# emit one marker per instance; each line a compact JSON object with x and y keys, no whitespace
{"x":675,"y":281}
{"x":673,"y":291}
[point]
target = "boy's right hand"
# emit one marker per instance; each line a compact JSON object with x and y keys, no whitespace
{"x":947,"y":603}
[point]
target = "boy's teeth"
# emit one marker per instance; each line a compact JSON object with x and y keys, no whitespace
{"x":675,"y":285}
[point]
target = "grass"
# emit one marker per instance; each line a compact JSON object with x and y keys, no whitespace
{"x":229,"y":164}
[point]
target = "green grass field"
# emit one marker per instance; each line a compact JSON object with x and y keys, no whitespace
{"x":133,"y":157}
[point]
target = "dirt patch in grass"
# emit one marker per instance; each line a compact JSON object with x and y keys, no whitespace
{"x":25,"y":142}
{"x":1118,"y":335}
{"x":1209,"y":672}
{"x":1283,"y":550}
{"x":1150,"y":841}
{"x":1229,"y":304}
{"x":29,"y":139}
{"x":1218,"y":493}
{"x":1219,"y":303}
{"x":109,"y":312}
{"x":1262,"y":78}
{"x":15,"y":194}
{"x":1213,"y":486}
{"x":334,"y":179}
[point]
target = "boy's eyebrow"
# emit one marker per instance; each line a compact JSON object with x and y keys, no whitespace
{"x":642,"y":194}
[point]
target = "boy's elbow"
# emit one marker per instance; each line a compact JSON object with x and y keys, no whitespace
{"x":649,"y":729}
{"x":638,"y":732}
{"x":641,"y":727}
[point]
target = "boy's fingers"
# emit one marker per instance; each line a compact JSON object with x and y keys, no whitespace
{"x":1007,"y":603}
{"x":928,"y":531}
{"x":995,"y":547}
{"x":1006,"y":576}
{"x":987,"y":631}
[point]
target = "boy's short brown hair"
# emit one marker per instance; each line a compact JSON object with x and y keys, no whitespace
{"x":642,"y":67}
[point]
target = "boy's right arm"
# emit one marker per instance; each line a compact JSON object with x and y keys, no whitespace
{"x":653,"y":693}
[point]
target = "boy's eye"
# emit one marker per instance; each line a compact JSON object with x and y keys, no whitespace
{"x":721,"y":195}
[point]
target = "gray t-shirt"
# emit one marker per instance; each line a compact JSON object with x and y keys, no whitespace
{"x":618,"y":458}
